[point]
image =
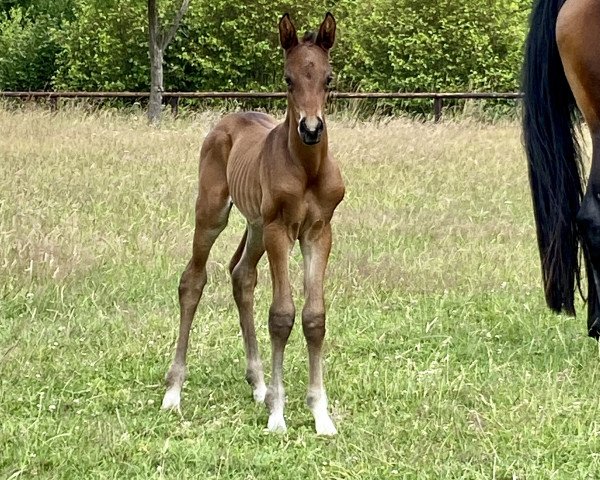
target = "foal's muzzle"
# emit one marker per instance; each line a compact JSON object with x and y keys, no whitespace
{"x":310,"y":132}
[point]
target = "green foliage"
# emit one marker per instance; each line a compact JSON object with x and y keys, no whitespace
{"x":226,"y":46}
{"x":385,"y":45}
{"x":26,"y":52}
{"x":104,"y":47}
{"x":411,"y":45}
{"x":53,"y":8}
{"x":220,"y":47}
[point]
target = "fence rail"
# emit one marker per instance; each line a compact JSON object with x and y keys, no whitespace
{"x":172,"y":98}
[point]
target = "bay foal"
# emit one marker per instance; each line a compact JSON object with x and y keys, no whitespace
{"x":285,"y":182}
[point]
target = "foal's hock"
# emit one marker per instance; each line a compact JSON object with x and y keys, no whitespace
{"x":285,"y":182}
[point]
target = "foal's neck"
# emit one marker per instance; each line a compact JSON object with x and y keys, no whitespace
{"x":310,"y":157}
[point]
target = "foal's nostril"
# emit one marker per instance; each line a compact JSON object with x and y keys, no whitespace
{"x":303,"y":125}
{"x":319,"y":125}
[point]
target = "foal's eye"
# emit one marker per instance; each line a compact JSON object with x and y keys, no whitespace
{"x":328,"y":80}
{"x":288,"y":81}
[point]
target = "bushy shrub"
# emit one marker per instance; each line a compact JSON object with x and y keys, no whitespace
{"x":104,"y":47}
{"x":428,"y":45}
{"x":234,"y":46}
{"x":385,"y":45}
{"x":27,"y":51}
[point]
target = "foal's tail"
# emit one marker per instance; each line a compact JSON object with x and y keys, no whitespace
{"x":555,"y":172}
{"x":238,"y":253}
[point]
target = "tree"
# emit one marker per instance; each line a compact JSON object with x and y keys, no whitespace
{"x":158,"y":42}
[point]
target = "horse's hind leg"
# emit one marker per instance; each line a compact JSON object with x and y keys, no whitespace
{"x":212,"y":211}
{"x":588,"y":220}
{"x":243,"y":276}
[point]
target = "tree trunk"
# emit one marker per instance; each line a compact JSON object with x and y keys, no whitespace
{"x":156,"y":65}
{"x":156,"y":84}
{"x":157,"y":44}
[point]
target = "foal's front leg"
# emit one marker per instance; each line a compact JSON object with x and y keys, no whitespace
{"x":316,"y":245}
{"x":278,"y":243}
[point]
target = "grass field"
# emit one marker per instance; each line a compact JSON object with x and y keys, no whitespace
{"x":442,"y":360}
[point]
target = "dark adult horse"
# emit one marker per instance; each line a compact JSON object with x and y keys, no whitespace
{"x":562,"y":76}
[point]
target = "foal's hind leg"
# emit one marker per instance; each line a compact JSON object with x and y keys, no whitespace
{"x":243,"y":276}
{"x":316,"y":246}
{"x":212,"y":211}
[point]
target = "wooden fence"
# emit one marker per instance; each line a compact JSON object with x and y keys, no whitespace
{"x":172,"y":98}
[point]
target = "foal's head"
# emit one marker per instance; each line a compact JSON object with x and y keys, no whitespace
{"x":307,"y":74}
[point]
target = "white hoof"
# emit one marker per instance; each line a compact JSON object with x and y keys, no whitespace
{"x":324,"y":426}
{"x":259,"y":393}
{"x":276,"y":423}
{"x":171,"y":400}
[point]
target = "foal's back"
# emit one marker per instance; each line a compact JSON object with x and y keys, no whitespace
{"x":242,"y":130}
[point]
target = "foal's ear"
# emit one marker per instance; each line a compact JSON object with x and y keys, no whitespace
{"x":326,"y":36}
{"x":287,"y":33}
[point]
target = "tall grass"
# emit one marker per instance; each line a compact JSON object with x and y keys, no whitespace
{"x":442,"y":360}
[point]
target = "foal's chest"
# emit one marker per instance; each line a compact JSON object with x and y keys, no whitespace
{"x":300,"y":203}
{"x":318,"y":206}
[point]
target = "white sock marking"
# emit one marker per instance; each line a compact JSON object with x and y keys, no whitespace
{"x":276,"y":422}
{"x":259,"y":393}
{"x":323,"y":423}
{"x":172,"y":399}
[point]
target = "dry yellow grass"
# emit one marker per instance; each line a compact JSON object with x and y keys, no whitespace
{"x":87,"y":188}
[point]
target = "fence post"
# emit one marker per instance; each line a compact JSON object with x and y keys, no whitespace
{"x":174,"y":103}
{"x":438,"y":103}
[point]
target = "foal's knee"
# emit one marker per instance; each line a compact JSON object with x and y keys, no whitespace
{"x":313,"y":325}
{"x":281,"y":321}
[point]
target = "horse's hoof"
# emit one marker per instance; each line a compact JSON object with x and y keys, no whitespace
{"x":171,"y":400}
{"x":276,"y":424}
{"x":594,"y":329}
{"x":325,"y":427}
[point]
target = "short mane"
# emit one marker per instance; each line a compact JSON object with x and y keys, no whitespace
{"x":310,"y":37}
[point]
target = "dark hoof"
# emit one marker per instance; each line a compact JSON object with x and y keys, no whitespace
{"x":594,"y":329}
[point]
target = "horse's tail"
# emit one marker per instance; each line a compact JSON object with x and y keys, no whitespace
{"x":555,"y":172}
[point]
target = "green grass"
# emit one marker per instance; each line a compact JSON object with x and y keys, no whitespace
{"x":442,"y":360}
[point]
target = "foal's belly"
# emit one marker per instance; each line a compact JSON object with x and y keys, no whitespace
{"x":243,"y":178}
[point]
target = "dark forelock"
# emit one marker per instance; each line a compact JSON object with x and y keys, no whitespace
{"x":310,"y":37}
